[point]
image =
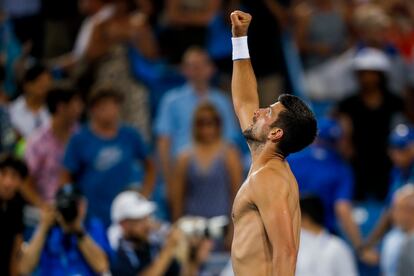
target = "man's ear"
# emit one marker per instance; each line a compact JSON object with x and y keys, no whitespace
{"x":275,"y":135}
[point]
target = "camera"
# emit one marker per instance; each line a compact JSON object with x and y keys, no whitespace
{"x":67,"y":200}
{"x":213,"y":228}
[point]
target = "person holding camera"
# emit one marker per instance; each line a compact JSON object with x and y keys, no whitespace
{"x":65,"y":243}
{"x":139,"y":251}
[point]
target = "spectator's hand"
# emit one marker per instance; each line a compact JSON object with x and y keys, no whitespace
{"x":240,"y":22}
{"x":174,"y":237}
{"x":48,"y":217}
{"x":369,"y":256}
{"x":203,"y":249}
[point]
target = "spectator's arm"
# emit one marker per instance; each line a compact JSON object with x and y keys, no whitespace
{"x":149,"y":178}
{"x":164,"y":148}
{"x":93,"y":254}
{"x":29,"y":193}
{"x":343,"y":210}
{"x":380,"y":229}
{"x":17,"y":245}
{"x":31,"y":253}
{"x":143,"y":37}
{"x":345,"y":144}
{"x":65,"y":177}
{"x":161,"y":263}
{"x":243,"y":84}
{"x":178,"y":189}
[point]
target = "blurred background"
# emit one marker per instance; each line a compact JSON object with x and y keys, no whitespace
{"x":121,"y":154}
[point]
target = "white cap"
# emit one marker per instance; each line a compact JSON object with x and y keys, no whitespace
{"x":131,"y":205}
{"x":371,"y":59}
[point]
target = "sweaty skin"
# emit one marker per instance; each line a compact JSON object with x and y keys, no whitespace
{"x":266,"y":213}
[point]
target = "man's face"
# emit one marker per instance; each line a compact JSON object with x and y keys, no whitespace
{"x":197,"y":67}
{"x":74,"y":109}
{"x":39,"y":86}
{"x":262,"y":120}
{"x":10,"y":181}
{"x":106,"y":111}
{"x":138,"y":228}
{"x":402,"y":158}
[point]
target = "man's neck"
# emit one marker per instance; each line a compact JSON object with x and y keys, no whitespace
{"x":264,"y":153}
{"x":61,"y":128}
{"x":105,"y":131}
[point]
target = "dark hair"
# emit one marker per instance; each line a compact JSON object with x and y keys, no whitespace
{"x":59,"y":95}
{"x":103,"y":92}
{"x":298,"y":123}
{"x":312,"y":207}
{"x":8,"y":161}
{"x":33,"y":72}
{"x":205,"y":107}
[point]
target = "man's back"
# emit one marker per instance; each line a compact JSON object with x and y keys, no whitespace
{"x":252,"y":251}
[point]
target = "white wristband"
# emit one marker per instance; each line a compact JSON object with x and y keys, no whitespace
{"x":240,"y":48}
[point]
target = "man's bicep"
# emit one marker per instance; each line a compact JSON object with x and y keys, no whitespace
{"x":245,"y":115}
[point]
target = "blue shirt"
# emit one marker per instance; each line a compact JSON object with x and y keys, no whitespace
{"x":176,"y":111}
{"x":61,"y":256}
{"x":321,"y":172}
{"x":102,"y":168}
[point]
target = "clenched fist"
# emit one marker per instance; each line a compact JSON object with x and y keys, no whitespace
{"x":240,"y":22}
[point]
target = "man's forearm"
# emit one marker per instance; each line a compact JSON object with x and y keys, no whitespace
{"x":161,"y":263}
{"x":93,"y":254}
{"x":344,"y":213}
{"x":31,"y":253}
{"x":284,"y":264}
{"x":149,"y":179}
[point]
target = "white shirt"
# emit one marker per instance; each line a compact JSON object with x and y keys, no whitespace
{"x":24,"y":120}
{"x":390,"y":251}
{"x":324,"y":255}
{"x":85,"y":31}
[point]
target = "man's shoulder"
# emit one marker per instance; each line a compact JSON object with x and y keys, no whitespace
{"x":269,"y":180}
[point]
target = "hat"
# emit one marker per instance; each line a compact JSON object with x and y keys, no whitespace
{"x":401,"y":136}
{"x":131,"y":205}
{"x":329,"y":130}
{"x":370,"y":59}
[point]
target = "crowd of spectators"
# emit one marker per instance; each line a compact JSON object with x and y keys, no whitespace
{"x":116,"y":123}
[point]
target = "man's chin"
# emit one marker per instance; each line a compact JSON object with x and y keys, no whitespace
{"x":249,"y":135}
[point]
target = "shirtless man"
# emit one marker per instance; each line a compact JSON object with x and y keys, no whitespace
{"x":266,"y":211}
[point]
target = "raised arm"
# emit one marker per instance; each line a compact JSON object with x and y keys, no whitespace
{"x":243,"y":84}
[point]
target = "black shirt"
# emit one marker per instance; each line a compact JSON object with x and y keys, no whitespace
{"x":371,"y":128}
{"x":11,"y":221}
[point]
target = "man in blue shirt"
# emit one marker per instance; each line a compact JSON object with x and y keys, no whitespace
{"x":102,"y":156}
{"x":321,"y":171}
{"x":174,"y":121}
{"x":73,"y":246}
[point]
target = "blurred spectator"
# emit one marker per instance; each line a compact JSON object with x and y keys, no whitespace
{"x":209,"y":174}
{"x":405,"y":266}
{"x":7,"y":134}
{"x":401,"y":152}
{"x":46,"y":147}
{"x":367,"y":117}
{"x":28,"y":112}
{"x":102,"y":156}
{"x":72,"y":246}
{"x":173,"y":124}
{"x":185,"y":25}
{"x":395,"y":240}
{"x":27,"y":23}
{"x":268,"y":61}
{"x":321,"y":253}
{"x":334,"y":182}
{"x":13,"y":172}
{"x":107,"y":52}
{"x":137,"y":253}
{"x":321,"y":31}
